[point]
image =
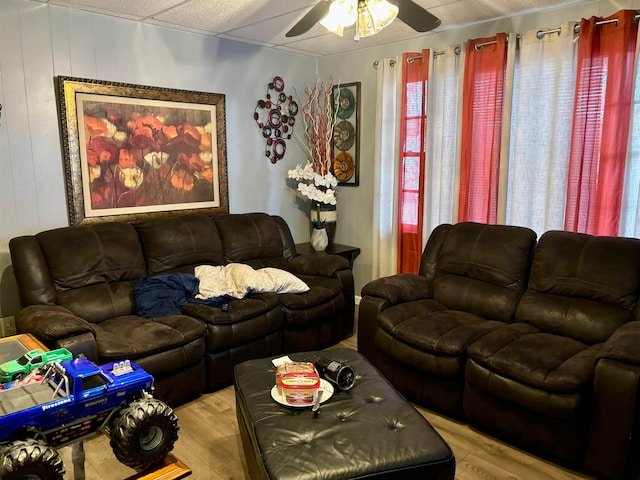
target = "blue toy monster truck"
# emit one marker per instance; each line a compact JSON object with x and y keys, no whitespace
{"x":75,"y":399}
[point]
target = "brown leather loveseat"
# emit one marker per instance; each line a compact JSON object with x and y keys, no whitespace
{"x":537,"y":342}
{"x":77,"y":286}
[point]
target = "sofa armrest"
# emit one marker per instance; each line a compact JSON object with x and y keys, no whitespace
{"x":51,"y":323}
{"x":321,"y":265}
{"x":368,"y":312}
{"x":615,"y":417}
{"x":401,"y":288}
{"x":622,"y":346}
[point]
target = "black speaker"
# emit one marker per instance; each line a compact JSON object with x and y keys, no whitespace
{"x":343,"y":376}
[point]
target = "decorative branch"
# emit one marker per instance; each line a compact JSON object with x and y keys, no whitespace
{"x":319,"y":117}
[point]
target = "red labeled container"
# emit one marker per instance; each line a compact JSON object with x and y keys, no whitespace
{"x":298,"y":382}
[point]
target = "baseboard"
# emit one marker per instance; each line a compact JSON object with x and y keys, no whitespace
{"x":7,"y":326}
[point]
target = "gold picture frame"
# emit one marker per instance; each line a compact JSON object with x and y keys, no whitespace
{"x":133,"y":151}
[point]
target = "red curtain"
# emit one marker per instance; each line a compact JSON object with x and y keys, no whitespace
{"x":411,"y":174}
{"x":483,"y":92}
{"x":604,"y":85}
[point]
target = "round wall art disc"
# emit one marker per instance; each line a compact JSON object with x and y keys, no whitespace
{"x":346,"y":103}
{"x":344,"y":135}
{"x":343,"y":167}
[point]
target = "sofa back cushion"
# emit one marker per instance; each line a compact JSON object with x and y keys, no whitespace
{"x":582,"y":286}
{"x":180,"y":243}
{"x":93,"y":268}
{"x":483,"y":269}
{"x":251,"y":238}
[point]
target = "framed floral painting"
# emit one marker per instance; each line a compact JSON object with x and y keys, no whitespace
{"x":133,"y":151}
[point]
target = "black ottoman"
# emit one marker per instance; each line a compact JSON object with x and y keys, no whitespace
{"x":368,"y":432}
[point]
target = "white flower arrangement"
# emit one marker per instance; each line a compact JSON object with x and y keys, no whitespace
{"x":317,"y":188}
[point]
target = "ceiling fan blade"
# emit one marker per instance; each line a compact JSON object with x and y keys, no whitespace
{"x":415,"y":16}
{"x":312,"y":17}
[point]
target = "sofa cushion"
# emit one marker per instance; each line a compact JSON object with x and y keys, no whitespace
{"x":321,"y":290}
{"x":587,"y":321}
{"x":96,"y":281}
{"x":525,"y":354}
{"x":242,"y":321}
{"x":476,"y":276}
{"x":496,"y":254}
{"x":251,"y":238}
{"x":132,"y":337}
{"x":428,"y":337}
{"x":99,"y":301}
{"x":606,"y":269}
{"x":174,"y":243}
{"x":105,"y":252}
{"x":582,"y":286}
{"x":537,"y":402}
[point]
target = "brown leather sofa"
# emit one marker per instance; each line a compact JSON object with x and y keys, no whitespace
{"x":537,"y":342}
{"x":76,"y":285}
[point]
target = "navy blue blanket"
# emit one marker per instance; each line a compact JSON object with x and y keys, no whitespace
{"x":166,"y":294}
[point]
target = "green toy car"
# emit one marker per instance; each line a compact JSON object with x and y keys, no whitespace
{"x":15,"y":369}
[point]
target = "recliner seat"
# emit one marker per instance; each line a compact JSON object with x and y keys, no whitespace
{"x":469,"y":289}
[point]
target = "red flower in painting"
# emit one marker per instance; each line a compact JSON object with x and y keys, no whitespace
{"x":101,"y":150}
{"x":149,"y":121}
{"x":182,"y":180}
{"x":126,"y":158}
{"x":95,"y":126}
{"x":205,"y":141}
{"x":102,"y":195}
{"x":142,"y":138}
{"x":169,"y":136}
{"x":192,"y":163}
{"x":189,"y":134}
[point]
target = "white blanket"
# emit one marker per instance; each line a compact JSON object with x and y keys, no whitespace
{"x":237,"y":280}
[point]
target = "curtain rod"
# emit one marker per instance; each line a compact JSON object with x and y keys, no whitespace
{"x":376,"y":63}
{"x":541,"y":34}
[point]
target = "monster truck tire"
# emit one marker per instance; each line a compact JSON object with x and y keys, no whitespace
{"x":143,"y":433}
{"x":30,"y":459}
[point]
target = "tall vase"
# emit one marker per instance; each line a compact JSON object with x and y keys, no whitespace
{"x":319,"y":239}
{"x":329,"y":215}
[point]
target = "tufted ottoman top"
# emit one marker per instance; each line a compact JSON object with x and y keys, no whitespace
{"x":368,"y":432}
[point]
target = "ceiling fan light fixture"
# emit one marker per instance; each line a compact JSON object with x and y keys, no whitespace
{"x":382,"y":12}
{"x":342,"y":13}
{"x":373,"y":16}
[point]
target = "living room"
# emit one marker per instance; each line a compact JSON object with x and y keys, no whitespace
{"x":42,"y":41}
{"x":57,"y":41}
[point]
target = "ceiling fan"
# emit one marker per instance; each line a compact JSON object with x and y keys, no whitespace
{"x":408,"y":11}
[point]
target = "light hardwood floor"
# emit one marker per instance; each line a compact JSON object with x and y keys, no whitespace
{"x":209,"y":443}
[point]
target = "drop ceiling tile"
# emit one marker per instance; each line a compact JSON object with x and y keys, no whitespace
{"x":265,"y":22}
{"x":226,"y":15}
{"x":120,"y":8}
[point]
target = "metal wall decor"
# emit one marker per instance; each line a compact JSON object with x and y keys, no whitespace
{"x":275,"y":117}
{"x":346,"y":134}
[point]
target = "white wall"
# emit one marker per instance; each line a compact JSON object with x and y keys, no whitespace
{"x":39,"y":42}
{"x":355,"y":205}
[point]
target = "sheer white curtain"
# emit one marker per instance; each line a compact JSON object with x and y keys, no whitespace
{"x":385,"y":194}
{"x":442,"y":144}
{"x":541,"y":119}
{"x":630,"y":213}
